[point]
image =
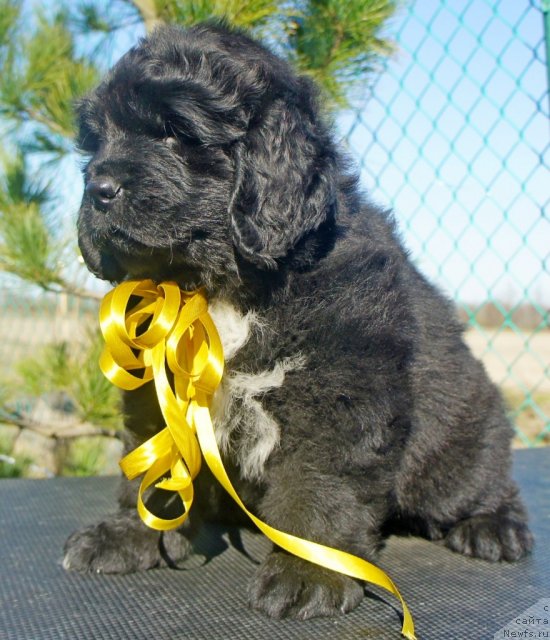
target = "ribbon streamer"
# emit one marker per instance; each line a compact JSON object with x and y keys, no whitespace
{"x":150,"y":328}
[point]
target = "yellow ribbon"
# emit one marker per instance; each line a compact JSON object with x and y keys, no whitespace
{"x":170,"y":328}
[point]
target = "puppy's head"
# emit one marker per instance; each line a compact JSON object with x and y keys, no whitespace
{"x":206,"y":153}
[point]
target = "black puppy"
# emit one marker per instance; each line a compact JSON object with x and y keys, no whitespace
{"x":350,"y":402}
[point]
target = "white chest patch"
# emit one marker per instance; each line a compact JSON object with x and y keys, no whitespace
{"x":244,"y":429}
{"x":234,"y":327}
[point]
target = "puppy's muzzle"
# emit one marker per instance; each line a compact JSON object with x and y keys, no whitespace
{"x":104,"y":192}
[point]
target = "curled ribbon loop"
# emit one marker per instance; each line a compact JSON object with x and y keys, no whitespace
{"x":149,"y":328}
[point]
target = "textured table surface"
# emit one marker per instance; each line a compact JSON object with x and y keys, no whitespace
{"x":450,"y":597}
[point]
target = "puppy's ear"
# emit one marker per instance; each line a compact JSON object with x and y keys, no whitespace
{"x":285,"y":180}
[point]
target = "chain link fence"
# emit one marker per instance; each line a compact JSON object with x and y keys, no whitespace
{"x":454,"y":138}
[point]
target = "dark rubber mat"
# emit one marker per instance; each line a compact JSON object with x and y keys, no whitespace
{"x":450,"y":597}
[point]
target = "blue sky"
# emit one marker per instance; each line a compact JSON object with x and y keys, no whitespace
{"x":453,"y":135}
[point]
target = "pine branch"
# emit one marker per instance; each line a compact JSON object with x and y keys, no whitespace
{"x":70,"y":289}
{"x":338,"y":43}
{"x":41,"y":76}
{"x":249,"y":14}
{"x":77,"y":430}
{"x":34,"y":115}
{"x":69,"y":370}
{"x":149,"y":13}
{"x":28,"y":246}
{"x":9,"y":14}
{"x":86,"y":18}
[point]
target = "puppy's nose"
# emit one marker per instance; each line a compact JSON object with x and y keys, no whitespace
{"x":103,"y":191}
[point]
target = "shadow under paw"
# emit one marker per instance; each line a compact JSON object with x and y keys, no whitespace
{"x":122,"y":544}
{"x":288,"y":587}
{"x":491,"y":537}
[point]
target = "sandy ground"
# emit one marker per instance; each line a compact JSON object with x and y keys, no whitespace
{"x":514,"y":359}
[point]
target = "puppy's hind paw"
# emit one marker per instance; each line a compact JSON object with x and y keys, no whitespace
{"x":122,"y":544}
{"x":288,"y":587}
{"x":491,"y":537}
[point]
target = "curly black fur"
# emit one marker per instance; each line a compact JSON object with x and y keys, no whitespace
{"x":212,"y":166}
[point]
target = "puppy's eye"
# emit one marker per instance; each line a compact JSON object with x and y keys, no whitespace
{"x":88,"y":143}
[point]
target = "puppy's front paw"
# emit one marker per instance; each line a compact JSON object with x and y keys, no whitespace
{"x":122,"y":544}
{"x":285,"y":586}
{"x":491,"y":537}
